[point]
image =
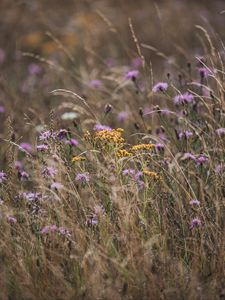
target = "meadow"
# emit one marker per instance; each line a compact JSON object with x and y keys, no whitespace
{"x":112,"y":143}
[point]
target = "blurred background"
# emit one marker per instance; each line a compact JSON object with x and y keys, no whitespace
{"x":52,"y":44}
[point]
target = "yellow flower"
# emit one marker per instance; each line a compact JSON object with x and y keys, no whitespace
{"x":142,"y":147}
{"x":78,"y":158}
{"x":151,"y":174}
{"x":123,"y":153}
{"x":110,"y":136}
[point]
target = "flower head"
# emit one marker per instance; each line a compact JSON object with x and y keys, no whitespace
{"x":194,"y":202}
{"x":82,"y":178}
{"x":196,"y":222}
{"x":3,"y":177}
{"x":160,"y":87}
{"x":26,"y":147}
{"x":95,"y":84}
{"x":132,"y":74}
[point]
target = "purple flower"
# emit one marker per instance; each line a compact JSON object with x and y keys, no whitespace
{"x":132,"y":74}
{"x":128,"y":172}
{"x":2,"y":109}
{"x":160,"y":87}
{"x":95,"y":84}
{"x":31,"y":196}
{"x":140,"y":185}
{"x":196,"y":222}
{"x":23,"y":175}
{"x":82,"y":178}
{"x":159,"y":147}
{"x":99,"y":127}
{"x":18,"y":165}
{"x":188,"y":155}
{"x":136,"y":62}
{"x":220,"y":168}
{"x":204,"y":72}
{"x":194,"y":202}
{"x":220,"y":131}
{"x":183,"y":98}
{"x":185,"y":134}
{"x":44,"y":136}
{"x":49,"y":172}
{"x":56,"y":186}
{"x":42,"y":147}
{"x":122,"y":116}
{"x":25,"y":146}
{"x":138,"y":176}
{"x":49,"y":228}
{"x":11,"y":220}
{"x":3,"y":177}
{"x":62,"y":134}
{"x":72,"y":142}
{"x":34,"y":69}
{"x":64,"y":231}
{"x":201,"y":160}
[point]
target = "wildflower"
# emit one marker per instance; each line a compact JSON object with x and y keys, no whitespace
{"x":25,"y":146}
{"x":140,"y":185}
{"x":69,"y":116}
{"x":138,"y":176}
{"x":136,"y":62}
{"x":183,"y":98}
{"x":42,"y":147}
{"x":110,"y":136}
{"x":194,"y":202}
{"x":99,"y":127}
{"x":48,"y":229}
{"x":142,"y":147}
{"x":72,"y":142}
{"x":3,"y":177}
{"x":95,"y":84}
{"x":204,"y":72}
{"x":151,"y":174}
{"x":220,"y":168}
{"x":160,"y":87}
{"x":82,"y":178}
{"x":78,"y":158}
{"x":128,"y":172}
{"x":18,"y":165}
{"x":188,"y":155}
{"x":23,"y":175}
{"x":11,"y":220}
{"x":185,"y":134}
{"x":31,"y":196}
{"x":56,"y":185}
{"x":132,"y":74}
{"x":44,"y":136}
{"x":34,"y":69}
{"x":196,"y":222}
{"x":64,"y":231}
{"x":201,"y":160}
{"x":2,"y":109}
{"x":159,"y":147}
{"x":220,"y":131}
{"x":108,"y":107}
{"x":49,"y":172}
{"x":123,"y":153}
{"x":61,"y":134}
{"x":122,"y":116}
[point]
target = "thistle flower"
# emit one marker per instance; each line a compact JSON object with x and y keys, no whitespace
{"x":159,"y":147}
{"x":194,"y":202}
{"x":56,"y":186}
{"x":220,"y":131}
{"x":160,"y":87}
{"x":220,"y":168}
{"x":46,"y":135}
{"x":108,"y":107}
{"x":82,"y":178}
{"x":99,"y":127}
{"x":185,"y":134}
{"x":122,"y":116}
{"x":196,"y":222}
{"x":132,"y":74}
{"x":3,"y":177}
{"x":136,"y":62}
{"x":201,"y":160}
{"x":95,"y":84}
{"x":49,"y":172}
{"x":49,"y":228}
{"x":31,"y":196}
{"x":204,"y":72}
{"x":128,"y":172}
{"x":18,"y":165}
{"x":183,"y":98}
{"x":61,"y":134}
{"x":11,"y":220}
{"x":42,"y":147}
{"x":34,"y":69}
{"x":2,"y":109}
{"x":26,"y":146}
{"x":23,"y":175}
{"x":72,"y":142}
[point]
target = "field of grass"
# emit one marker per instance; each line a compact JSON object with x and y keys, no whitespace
{"x":112,"y":143}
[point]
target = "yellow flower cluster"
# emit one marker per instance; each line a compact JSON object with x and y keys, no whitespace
{"x":142,"y":147}
{"x":153,"y":175}
{"x":110,"y":136}
{"x":78,"y":158}
{"x":123,"y":153}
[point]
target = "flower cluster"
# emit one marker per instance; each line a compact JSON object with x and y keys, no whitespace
{"x":110,"y":136}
